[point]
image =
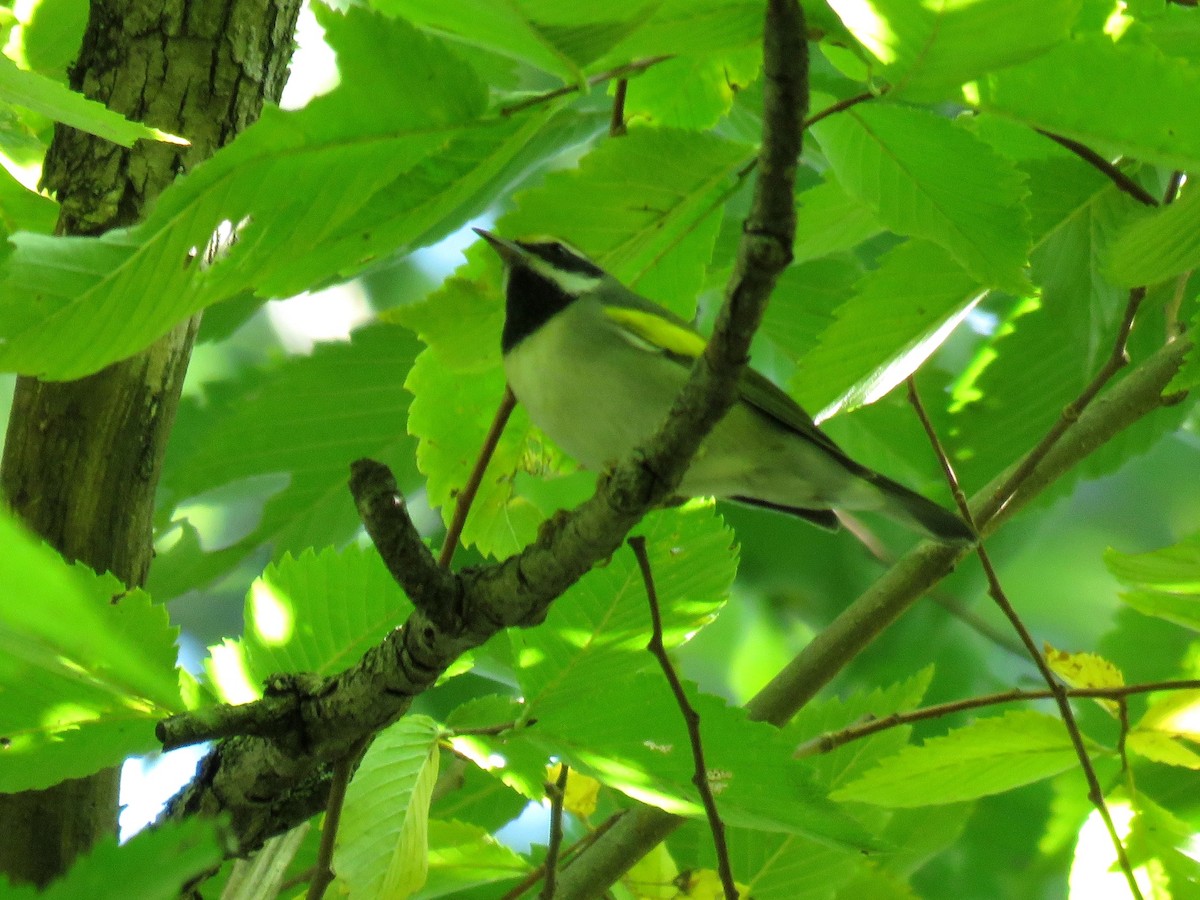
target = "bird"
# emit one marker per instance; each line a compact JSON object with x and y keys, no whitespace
{"x":598,"y":366}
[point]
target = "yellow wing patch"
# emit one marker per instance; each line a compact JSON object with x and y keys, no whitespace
{"x":659,"y":332}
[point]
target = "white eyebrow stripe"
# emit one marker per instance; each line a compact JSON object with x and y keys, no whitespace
{"x":571,"y":282}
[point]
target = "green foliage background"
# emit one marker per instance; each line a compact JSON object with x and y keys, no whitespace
{"x":938,"y":231}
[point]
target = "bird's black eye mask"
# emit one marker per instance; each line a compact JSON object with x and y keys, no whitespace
{"x":562,"y":257}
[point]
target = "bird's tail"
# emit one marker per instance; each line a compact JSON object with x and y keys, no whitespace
{"x":910,"y":508}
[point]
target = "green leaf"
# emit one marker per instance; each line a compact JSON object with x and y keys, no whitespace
{"x":292,"y":185}
{"x":1156,"y":836}
{"x":318,"y":613}
{"x":56,"y":101}
{"x":805,"y":302}
{"x":51,"y":35}
{"x":1188,"y":375}
{"x":821,"y":717}
{"x":1164,"y":244}
{"x":482,"y":799}
{"x":1174,"y":34}
{"x":690,"y":92}
{"x":597,"y":631}
{"x":462,"y":855}
{"x":986,"y":757}
{"x":659,"y":245}
{"x":21,"y":208}
{"x":424,"y":204}
{"x":929,"y":178}
{"x":1045,"y":349}
{"x":644,"y":752}
{"x":291,"y":430}
{"x":829,"y":220}
{"x":1165,"y":582}
{"x":519,"y":764}
{"x":560,"y":39}
{"x":687,"y":28}
{"x":877,"y":884}
{"x":1128,"y":99}
{"x":86,"y":668}
{"x":567,"y":40}
{"x":462,"y":320}
{"x":899,"y":314}
{"x":156,"y":864}
{"x":382,"y":843}
{"x":787,"y":866}
{"x":450,"y":417}
{"x":929,"y":49}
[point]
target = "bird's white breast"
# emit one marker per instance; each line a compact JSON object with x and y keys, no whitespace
{"x":595,"y":394}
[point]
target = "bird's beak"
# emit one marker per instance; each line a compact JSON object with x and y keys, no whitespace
{"x":509,"y":251}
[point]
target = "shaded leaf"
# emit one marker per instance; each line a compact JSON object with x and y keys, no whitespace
{"x":1162,"y":245}
{"x":926,"y":177}
{"x":286,"y":436}
{"x":156,"y":864}
{"x":1165,"y":582}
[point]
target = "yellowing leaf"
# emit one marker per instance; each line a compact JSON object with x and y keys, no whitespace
{"x":1085,"y":670}
{"x":653,"y":876}
{"x":582,"y":791}
{"x":705,"y":884}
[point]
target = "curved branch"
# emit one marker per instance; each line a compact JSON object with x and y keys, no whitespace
{"x":270,"y":783}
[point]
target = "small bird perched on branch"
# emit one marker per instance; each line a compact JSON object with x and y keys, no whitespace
{"x":599,"y":366}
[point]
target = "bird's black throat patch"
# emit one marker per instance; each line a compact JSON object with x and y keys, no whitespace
{"x":531,"y":301}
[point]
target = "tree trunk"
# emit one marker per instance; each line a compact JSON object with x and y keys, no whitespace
{"x":82,"y":459}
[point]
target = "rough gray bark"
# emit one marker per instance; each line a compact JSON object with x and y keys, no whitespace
{"x":82,"y":459}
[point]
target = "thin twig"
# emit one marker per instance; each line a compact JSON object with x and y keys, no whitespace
{"x":831,"y":740}
{"x":323,"y":870}
{"x":1117,"y":360}
{"x":483,"y":730}
{"x":1057,"y":689}
{"x":616,"y":127}
{"x":1123,"y":182}
{"x":690,"y":717}
{"x":462,"y":503}
{"x":840,"y":106}
{"x":582,"y":844}
{"x":557,"y":792}
{"x":634,"y":68}
{"x":1174,"y":183}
